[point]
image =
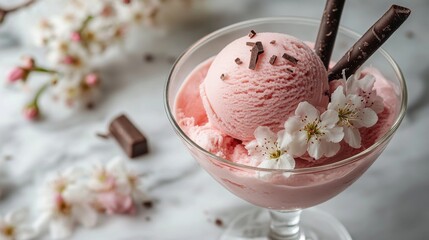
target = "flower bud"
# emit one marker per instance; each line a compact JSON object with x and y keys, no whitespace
{"x":16,"y":74}
{"x":92,"y":79}
{"x":76,"y":37}
{"x":31,"y":112}
{"x":28,"y":63}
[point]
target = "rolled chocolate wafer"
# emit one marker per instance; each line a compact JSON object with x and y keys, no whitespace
{"x":328,"y":30}
{"x":369,"y":42}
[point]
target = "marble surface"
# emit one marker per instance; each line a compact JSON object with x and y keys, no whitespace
{"x":388,"y":202}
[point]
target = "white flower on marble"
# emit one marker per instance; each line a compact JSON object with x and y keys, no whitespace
{"x":63,"y":202}
{"x":308,"y":131}
{"x":268,"y":151}
{"x":62,"y":181}
{"x":13,"y":226}
{"x":352,"y":114}
{"x":115,"y":176}
{"x":60,"y":213}
{"x":364,"y":87}
{"x":74,"y":90}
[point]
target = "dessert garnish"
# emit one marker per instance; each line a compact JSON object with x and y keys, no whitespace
{"x":238,"y":61}
{"x":290,"y":58}
{"x":222,"y":76}
{"x":252,"y":33}
{"x":370,"y":42}
{"x":256,"y":50}
{"x":328,"y":30}
{"x":273,"y":59}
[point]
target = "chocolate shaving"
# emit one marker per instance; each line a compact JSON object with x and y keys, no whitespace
{"x":102,"y":135}
{"x":272,"y":41}
{"x":260,"y":47}
{"x":250,"y":44}
{"x":222,"y":76}
{"x":369,"y":42}
{"x":328,"y":30}
{"x":273,"y":59}
{"x":148,"y":204}
{"x":148,"y":57}
{"x":238,"y":61}
{"x":253,"y":57}
{"x":290,"y":58}
{"x":219,"y":222}
{"x":290,"y":70}
{"x":252,"y":33}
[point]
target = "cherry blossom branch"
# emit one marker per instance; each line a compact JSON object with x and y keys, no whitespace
{"x":5,"y":12}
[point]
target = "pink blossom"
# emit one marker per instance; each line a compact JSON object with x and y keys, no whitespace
{"x":92,"y":79}
{"x":76,"y":37}
{"x":70,"y":60}
{"x":29,"y":63}
{"x":18,"y":73}
{"x":31,"y":112}
{"x":116,"y":203}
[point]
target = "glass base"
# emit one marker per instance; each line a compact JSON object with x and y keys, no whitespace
{"x":315,"y":225}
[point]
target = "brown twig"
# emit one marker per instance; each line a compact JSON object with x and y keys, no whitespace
{"x":5,"y":12}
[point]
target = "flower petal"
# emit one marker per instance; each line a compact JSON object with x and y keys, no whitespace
{"x":334,"y":135}
{"x":367,"y":118}
{"x":329,"y":119}
{"x":85,"y":215}
{"x":267,"y":163}
{"x":315,"y":149}
{"x":265,"y":137}
{"x":338,"y":99}
{"x":16,"y":217}
{"x":285,"y":161}
{"x":298,"y":145}
{"x":307,"y":111}
{"x":352,"y":137}
{"x":330,"y":148}
{"x":42,"y":221}
{"x":356,"y":101}
{"x":23,"y":233}
{"x":61,"y":227}
{"x":252,"y":147}
{"x":293,"y":124}
{"x":366,"y":83}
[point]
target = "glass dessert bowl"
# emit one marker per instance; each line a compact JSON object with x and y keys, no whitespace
{"x":286,"y":192}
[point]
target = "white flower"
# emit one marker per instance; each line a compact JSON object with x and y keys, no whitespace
{"x":312,"y":132}
{"x":71,"y":89}
{"x":13,"y":227}
{"x":116,"y":177}
{"x":364,"y":87}
{"x":63,"y":202}
{"x":352,"y":114}
{"x":268,"y":151}
{"x":61,"y":212}
{"x":62,"y":181}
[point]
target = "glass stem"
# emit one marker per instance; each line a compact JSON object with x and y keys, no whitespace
{"x":285,"y":225}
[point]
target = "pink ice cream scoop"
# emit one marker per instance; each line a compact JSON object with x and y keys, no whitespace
{"x":238,"y":99}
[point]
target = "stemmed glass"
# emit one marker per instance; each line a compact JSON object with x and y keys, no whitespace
{"x":284,"y":197}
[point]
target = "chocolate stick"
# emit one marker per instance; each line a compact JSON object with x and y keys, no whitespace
{"x":328,"y":30}
{"x":370,"y":42}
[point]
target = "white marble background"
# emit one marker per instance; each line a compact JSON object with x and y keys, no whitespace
{"x":388,"y":202}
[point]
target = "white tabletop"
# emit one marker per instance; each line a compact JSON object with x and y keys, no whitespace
{"x":388,"y":202}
